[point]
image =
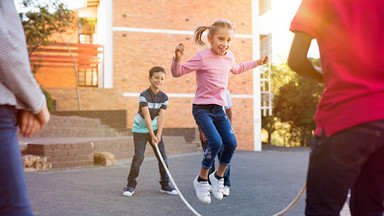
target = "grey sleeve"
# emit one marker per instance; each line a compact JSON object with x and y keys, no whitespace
{"x":15,"y":69}
{"x":229,"y":101}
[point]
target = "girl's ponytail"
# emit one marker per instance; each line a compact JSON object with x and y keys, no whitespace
{"x":198,"y":33}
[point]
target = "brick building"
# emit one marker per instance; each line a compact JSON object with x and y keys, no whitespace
{"x":137,"y":35}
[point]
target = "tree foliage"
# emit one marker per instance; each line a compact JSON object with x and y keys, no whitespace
{"x":268,"y":123}
{"x":280,"y":74}
{"x":295,"y":103}
{"x":42,"y":20}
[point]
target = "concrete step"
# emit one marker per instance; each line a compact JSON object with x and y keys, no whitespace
{"x":173,"y":139}
{"x":74,"y":126}
{"x":73,"y":121}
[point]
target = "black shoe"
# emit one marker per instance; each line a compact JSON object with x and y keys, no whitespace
{"x":128,"y":191}
{"x":168,"y":190}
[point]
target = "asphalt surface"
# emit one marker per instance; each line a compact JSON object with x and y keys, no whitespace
{"x":263,"y":183}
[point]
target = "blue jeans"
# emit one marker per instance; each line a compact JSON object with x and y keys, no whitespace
{"x":352,"y":159}
{"x":227,"y":181}
{"x":140,"y":141}
{"x":13,"y":190}
{"x":217,"y":128}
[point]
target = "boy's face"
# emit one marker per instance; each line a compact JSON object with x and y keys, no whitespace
{"x":157,"y":79}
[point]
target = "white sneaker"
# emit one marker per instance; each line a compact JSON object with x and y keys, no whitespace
{"x":201,"y":189}
{"x":226,"y":191}
{"x":217,"y":186}
{"x":210,"y":188}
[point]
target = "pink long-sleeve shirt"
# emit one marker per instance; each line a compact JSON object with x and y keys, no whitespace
{"x":211,"y":74}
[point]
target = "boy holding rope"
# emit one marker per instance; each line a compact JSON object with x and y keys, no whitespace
{"x":148,"y":127}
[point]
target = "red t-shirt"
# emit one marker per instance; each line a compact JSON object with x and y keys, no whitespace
{"x":350,"y":35}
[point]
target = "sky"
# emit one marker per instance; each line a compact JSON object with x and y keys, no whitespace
{"x":71,"y":4}
{"x":282,"y":14}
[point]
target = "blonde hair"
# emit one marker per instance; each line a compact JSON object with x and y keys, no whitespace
{"x":219,"y":23}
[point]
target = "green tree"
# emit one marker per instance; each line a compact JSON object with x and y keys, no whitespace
{"x":280,"y":74}
{"x":268,"y":123}
{"x":41,"y":21}
{"x":295,"y":103}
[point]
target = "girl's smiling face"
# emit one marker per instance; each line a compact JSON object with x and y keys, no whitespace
{"x":221,"y":40}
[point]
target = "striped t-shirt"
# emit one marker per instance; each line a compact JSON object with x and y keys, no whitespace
{"x":154,"y":102}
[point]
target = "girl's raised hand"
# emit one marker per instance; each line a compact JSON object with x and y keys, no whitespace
{"x":179,"y":52}
{"x":263,"y":60}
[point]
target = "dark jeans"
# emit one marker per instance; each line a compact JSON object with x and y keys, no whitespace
{"x":140,"y":142}
{"x":217,"y":128}
{"x":227,"y":181}
{"x":352,"y":159}
{"x":13,"y":190}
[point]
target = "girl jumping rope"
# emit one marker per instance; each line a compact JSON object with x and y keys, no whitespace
{"x":212,"y":66}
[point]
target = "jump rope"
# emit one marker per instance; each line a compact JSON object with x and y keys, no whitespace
{"x":281,"y":213}
{"x":174,"y":184}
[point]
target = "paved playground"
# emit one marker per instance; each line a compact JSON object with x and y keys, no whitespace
{"x":263,"y":183}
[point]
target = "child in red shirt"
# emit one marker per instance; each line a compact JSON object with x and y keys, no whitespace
{"x":348,"y":150}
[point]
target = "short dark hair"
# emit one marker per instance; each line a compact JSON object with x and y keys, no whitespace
{"x":156,"y":69}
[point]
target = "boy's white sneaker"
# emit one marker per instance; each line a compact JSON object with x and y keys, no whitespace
{"x":217,"y":186}
{"x":226,"y":191}
{"x":201,"y":189}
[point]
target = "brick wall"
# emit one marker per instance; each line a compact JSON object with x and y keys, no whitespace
{"x":188,"y":133}
{"x":181,"y":14}
{"x":64,"y":155}
{"x":136,"y":52}
{"x":90,"y":98}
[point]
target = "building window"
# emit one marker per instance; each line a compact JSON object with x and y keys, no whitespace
{"x":88,"y":77}
{"x":87,"y":30}
{"x":266,"y":45}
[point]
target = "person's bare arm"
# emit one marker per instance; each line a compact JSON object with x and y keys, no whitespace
{"x":147,"y":117}
{"x":160,"y":124}
{"x":229,"y":113}
{"x":298,"y":60}
{"x":43,"y":116}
